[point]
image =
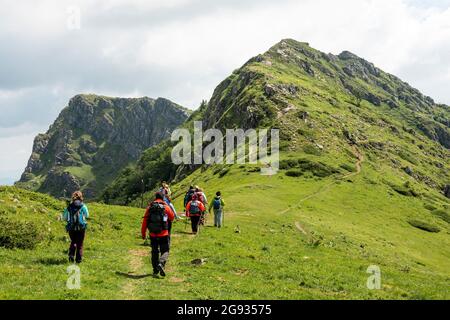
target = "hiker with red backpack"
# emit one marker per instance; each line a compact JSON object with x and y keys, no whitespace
{"x":156,"y":220}
{"x":76,"y":215}
{"x":194,"y":210}
{"x":201,"y":196}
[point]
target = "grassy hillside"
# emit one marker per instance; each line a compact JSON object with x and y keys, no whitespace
{"x":324,"y":106}
{"x":298,"y":239}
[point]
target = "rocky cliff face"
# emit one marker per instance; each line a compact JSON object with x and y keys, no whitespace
{"x":93,"y":138}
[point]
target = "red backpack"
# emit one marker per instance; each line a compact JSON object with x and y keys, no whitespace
{"x":200,"y":197}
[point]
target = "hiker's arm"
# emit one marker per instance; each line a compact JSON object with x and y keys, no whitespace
{"x":86,"y":212}
{"x":222,"y":203}
{"x":144,"y":225}
{"x":202,"y":207}
{"x":170,"y":213}
{"x":65,"y":215}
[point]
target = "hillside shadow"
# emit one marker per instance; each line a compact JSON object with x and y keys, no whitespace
{"x":133,"y":276}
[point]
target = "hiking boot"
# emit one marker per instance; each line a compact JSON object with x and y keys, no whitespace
{"x":71,"y":260}
{"x":161,"y":270}
{"x":78,"y":261}
{"x":155,"y":272}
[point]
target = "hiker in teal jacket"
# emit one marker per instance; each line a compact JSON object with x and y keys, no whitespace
{"x":76,"y":215}
{"x":217,"y":204}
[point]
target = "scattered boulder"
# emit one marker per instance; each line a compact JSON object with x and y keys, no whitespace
{"x":409,"y":171}
{"x":447,"y":191}
{"x":349,"y":136}
{"x":304,"y":115}
{"x":199,"y":262}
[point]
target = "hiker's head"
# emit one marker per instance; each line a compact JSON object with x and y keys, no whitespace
{"x":191,"y":187}
{"x":164,"y":184}
{"x":159,"y":195}
{"x":196,"y":188}
{"x":77,"y":195}
{"x":218,"y":193}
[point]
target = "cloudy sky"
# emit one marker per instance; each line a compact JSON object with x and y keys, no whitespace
{"x":181,"y":49}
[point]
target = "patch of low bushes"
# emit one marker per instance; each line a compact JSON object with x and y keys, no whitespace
{"x":429,"y":207}
{"x":422,"y":225}
{"x":19,"y":234}
{"x":318,"y":169}
{"x":294,"y":173}
{"x":441,"y":214}
{"x":404,"y":189}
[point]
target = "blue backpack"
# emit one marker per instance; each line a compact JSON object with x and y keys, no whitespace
{"x":194,"y":209}
{"x":217,"y":204}
{"x":75,"y":222}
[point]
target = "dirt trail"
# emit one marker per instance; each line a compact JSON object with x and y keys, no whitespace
{"x":135,"y":265}
{"x":360,"y":159}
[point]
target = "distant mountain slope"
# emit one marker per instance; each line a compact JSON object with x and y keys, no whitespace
{"x":93,"y":138}
{"x":325,"y":106}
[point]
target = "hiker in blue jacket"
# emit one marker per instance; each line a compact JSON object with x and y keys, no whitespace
{"x":76,"y":215}
{"x":217,"y":205}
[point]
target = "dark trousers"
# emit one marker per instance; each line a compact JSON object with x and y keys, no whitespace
{"x":159,"y":246}
{"x":76,"y":244}
{"x":195,"y":220}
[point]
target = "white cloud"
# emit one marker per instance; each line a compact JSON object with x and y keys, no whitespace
{"x":181,"y":49}
{"x":14,"y":156}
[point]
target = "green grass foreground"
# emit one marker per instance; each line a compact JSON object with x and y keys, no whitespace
{"x":299,"y":238}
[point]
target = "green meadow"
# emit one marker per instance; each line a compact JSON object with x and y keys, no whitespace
{"x":284,"y":238}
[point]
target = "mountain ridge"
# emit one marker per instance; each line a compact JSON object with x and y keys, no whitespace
{"x":324,"y":104}
{"x":92,"y":133}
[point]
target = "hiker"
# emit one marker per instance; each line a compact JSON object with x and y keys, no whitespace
{"x":202,"y":198}
{"x":217,"y":205}
{"x":156,"y":220}
{"x":201,"y":195}
{"x":76,"y":215}
{"x":194,"y":210}
{"x":165,"y":190}
{"x":188,"y":196}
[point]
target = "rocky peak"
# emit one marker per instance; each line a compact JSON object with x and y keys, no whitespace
{"x":94,"y":137}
